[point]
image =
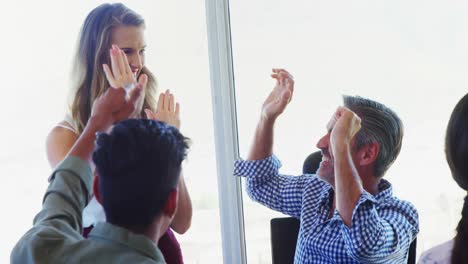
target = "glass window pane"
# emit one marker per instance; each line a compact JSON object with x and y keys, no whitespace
{"x":37,"y":57}
{"x":409,"y":55}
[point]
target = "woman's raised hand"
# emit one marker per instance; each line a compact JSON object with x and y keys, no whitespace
{"x":167,"y":110}
{"x":121,"y":75}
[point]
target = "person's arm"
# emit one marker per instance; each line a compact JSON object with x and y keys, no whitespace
{"x":381,"y":230}
{"x":183,"y":217}
{"x":273,"y":106}
{"x":374,"y":231}
{"x":264,"y":183}
{"x":282,"y":193}
{"x":58,"y":144}
{"x":168,"y":111}
{"x":119,"y":74}
{"x":107,"y":109}
{"x":348,"y":186}
{"x":70,"y":184}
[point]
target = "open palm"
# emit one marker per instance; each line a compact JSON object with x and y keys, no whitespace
{"x":120,"y":75}
{"x":168,"y":111}
{"x":281,"y":94}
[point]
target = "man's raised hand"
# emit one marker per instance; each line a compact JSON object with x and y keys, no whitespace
{"x":280,"y":96}
{"x":345,"y":124}
{"x":114,"y":105}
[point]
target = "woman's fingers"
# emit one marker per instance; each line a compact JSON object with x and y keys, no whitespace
{"x":114,"y":65}
{"x":160,"y":106}
{"x":171,"y":103}
{"x":150,"y":114}
{"x":143,"y":80}
{"x":167,"y":110}
{"x":119,"y":60}
{"x":126,"y":65}
{"x":109,"y":75}
{"x":167,"y":103}
{"x":177,"y":109}
{"x":167,"y":99}
{"x":120,"y":72}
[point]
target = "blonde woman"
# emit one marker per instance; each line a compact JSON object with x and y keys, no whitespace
{"x":111,"y":52}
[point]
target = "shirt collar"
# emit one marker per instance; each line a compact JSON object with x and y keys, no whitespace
{"x":385,"y":190}
{"x":124,"y":237}
{"x":384,"y":187}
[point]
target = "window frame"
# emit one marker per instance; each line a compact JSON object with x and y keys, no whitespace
{"x":225,"y":131}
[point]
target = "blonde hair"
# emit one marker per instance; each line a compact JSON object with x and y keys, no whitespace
{"x":88,"y":78}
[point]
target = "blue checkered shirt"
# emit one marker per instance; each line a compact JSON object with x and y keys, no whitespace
{"x":382,"y":226}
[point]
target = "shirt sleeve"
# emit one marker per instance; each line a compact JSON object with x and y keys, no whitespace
{"x":380,"y":233}
{"x":68,"y":193}
{"x":265,"y":185}
{"x":60,"y":220}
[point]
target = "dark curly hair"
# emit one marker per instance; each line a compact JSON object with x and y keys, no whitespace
{"x":138,"y":163}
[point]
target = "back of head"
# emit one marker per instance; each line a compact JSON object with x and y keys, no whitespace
{"x":94,"y":42}
{"x":138,"y":163}
{"x":456,"y":152}
{"x":379,"y":124}
{"x":456,"y":143}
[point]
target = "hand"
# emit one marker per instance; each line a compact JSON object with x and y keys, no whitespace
{"x":113,"y":106}
{"x":121,"y":76}
{"x":166,"y":111}
{"x":142,"y":81}
{"x":345,"y":124}
{"x":281,"y":95}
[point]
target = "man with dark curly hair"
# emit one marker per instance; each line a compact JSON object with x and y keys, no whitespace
{"x":138,"y":164}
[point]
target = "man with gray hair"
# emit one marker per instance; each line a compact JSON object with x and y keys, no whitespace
{"x":347,"y":211}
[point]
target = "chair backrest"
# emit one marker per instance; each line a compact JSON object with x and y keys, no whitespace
{"x":284,"y":231}
{"x":412,"y":252}
{"x":312,"y":162}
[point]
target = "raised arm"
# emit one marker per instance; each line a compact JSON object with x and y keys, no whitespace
{"x":348,"y":185}
{"x":168,"y":111}
{"x":109,"y":108}
{"x":273,"y":106}
{"x":183,"y":217}
{"x":119,"y":74}
{"x":61,"y":215}
{"x":261,"y":169}
{"x":372,"y":233}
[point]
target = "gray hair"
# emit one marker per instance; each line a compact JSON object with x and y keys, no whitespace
{"x":379,"y":124}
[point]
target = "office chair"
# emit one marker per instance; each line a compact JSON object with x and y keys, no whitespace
{"x":312,"y":162}
{"x":284,"y":230}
